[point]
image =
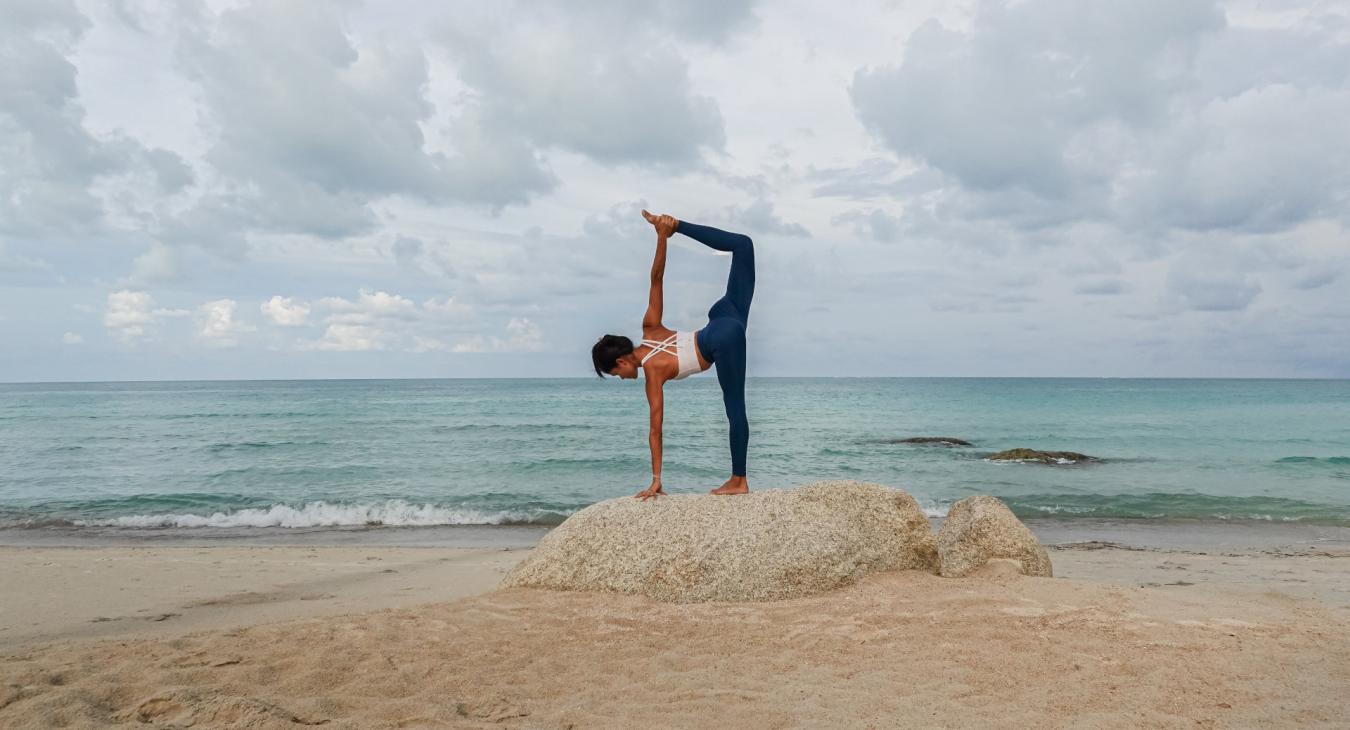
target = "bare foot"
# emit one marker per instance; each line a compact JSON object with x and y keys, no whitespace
{"x":664,"y":224}
{"x":734,"y":485}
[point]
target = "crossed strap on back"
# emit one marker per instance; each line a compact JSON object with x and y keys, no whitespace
{"x":668,"y":347}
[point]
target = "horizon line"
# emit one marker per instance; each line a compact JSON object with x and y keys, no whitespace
{"x":753,"y":377}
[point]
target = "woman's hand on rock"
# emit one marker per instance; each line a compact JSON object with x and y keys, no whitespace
{"x":651,"y":492}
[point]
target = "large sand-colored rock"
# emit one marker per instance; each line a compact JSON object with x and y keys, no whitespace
{"x":982,"y":528}
{"x":764,"y":546}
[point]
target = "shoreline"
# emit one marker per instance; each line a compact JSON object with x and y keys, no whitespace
{"x":1143,"y":534}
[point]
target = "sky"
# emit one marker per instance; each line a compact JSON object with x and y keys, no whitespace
{"x":258,"y":189}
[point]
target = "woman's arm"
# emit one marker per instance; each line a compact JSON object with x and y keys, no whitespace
{"x":656,"y":297}
{"x":657,"y":402}
{"x":665,"y":228}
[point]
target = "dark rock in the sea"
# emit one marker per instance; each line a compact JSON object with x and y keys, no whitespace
{"x":932,"y":441}
{"x":1043,"y":457}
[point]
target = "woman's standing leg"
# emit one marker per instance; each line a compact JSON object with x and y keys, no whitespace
{"x":731,"y":376}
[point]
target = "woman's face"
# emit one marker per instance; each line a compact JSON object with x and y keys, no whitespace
{"x":625,"y":368}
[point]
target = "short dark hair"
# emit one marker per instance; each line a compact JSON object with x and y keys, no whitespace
{"x":607,"y":351}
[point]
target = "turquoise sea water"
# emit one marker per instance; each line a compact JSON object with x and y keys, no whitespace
{"x":435,"y":452}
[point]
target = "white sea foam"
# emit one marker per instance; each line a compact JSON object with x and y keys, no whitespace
{"x":933,"y":508}
{"x":1058,"y":460}
{"x":327,"y":514}
{"x":1055,"y":509}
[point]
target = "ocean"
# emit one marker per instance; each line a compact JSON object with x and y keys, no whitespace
{"x":204,"y":456}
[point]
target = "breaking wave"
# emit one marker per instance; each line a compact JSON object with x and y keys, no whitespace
{"x":394,"y":512}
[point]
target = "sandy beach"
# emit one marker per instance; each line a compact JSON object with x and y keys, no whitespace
{"x":416,"y":637}
{"x":90,"y":592}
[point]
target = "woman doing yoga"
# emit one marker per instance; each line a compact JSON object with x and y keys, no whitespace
{"x":665,"y":354}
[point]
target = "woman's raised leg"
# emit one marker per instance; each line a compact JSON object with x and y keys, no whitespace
{"x":741,"y":279}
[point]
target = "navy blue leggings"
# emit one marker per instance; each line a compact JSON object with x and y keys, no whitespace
{"x":722,"y":341}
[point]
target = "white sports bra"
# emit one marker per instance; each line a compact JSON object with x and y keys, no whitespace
{"x":681,"y":345}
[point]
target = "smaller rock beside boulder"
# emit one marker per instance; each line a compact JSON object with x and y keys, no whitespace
{"x":980,"y":529}
{"x":1043,"y":457}
{"x":932,"y":441}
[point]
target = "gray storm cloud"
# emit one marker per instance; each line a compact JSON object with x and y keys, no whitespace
{"x":1145,"y":114}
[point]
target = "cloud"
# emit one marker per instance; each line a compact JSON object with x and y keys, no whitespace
{"x":758,"y":218}
{"x":1144,"y":114}
{"x":171,"y":173}
{"x":383,"y":321}
{"x":1317,"y":279}
{"x":370,"y":322}
{"x":369,"y":307}
{"x":132,"y":315}
{"x":447,"y":309}
{"x":406,"y":250}
{"x":620,"y":221}
{"x":1104,"y":287}
{"x":159,"y":263}
{"x":869,"y":178}
{"x":1264,"y":160}
{"x":876,"y":224}
{"x":522,"y":335}
{"x":217,"y":326}
{"x":310,"y":126}
{"x":70,"y":338}
{"x":431,"y":344}
{"x":285,"y":311}
{"x":711,"y":22}
{"x":340,"y":337}
{"x":15,"y":262}
{"x":492,"y":168}
{"x":614,"y":87}
{"x":1001,"y":106}
{"x":49,"y":160}
{"x":1211,"y":291}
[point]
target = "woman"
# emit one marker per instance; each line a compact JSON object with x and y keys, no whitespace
{"x":665,"y":354}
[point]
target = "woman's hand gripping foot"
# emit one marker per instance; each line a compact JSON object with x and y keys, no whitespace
{"x":665,"y":225}
{"x":734,"y":485}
